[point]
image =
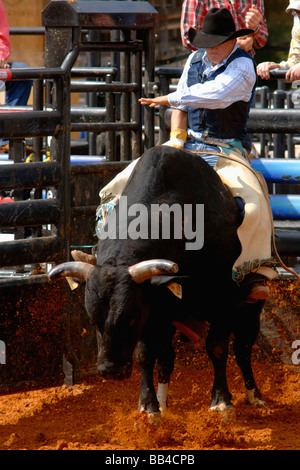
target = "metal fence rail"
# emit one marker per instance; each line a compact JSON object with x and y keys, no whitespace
{"x":21,"y":177}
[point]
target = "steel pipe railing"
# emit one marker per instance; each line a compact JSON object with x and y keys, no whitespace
{"x":29,"y":213}
{"x":31,"y":175}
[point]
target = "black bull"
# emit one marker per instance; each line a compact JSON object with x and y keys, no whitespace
{"x":129,"y":303}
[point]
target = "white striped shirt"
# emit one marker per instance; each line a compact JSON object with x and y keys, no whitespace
{"x":234,"y":84}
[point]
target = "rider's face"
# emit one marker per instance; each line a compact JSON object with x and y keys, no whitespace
{"x":218,"y":53}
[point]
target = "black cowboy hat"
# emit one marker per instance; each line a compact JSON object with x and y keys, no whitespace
{"x":218,"y":27}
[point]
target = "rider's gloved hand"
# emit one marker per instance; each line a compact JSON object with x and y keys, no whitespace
{"x":178,"y":138}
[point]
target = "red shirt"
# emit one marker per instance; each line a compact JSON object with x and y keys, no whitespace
{"x":4,"y":34}
{"x":194,"y":11}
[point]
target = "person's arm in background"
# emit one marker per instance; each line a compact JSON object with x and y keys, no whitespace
{"x":192,"y":14}
{"x":255,"y":19}
{"x":292,"y":62}
{"x":5,"y":46}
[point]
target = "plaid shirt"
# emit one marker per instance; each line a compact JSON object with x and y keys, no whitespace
{"x":4,"y":34}
{"x":193,"y":12}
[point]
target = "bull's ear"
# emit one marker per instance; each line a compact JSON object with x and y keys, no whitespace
{"x":144,"y":270}
{"x":173,"y":283}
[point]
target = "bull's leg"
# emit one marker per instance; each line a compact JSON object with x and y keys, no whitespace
{"x":246,"y":329}
{"x":147,"y":352}
{"x":165,"y":366}
{"x":217,"y":349}
{"x":145,"y":358}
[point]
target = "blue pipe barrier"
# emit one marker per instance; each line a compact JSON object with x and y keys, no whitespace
{"x":285,"y":206}
{"x":281,"y":170}
{"x":278,"y":170}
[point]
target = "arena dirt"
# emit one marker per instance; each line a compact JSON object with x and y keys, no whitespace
{"x":102,"y":415}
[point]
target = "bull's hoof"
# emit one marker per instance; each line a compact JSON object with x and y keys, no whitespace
{"x":221,"y":401}
{"x":153,"y":417}
{"x":222,"y":407}
{"x":253,"y":398}
{"x":226,"y":412}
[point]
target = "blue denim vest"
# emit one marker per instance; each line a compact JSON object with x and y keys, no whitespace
{"x":219,"y":123}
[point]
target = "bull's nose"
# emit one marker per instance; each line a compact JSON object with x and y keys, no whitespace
{"x":110,"y":370}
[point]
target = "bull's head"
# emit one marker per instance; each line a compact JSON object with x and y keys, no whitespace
{"x":116,"y":305}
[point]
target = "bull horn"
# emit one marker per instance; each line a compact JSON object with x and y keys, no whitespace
{"x":144,"y":270}
{"x":77,"y":269}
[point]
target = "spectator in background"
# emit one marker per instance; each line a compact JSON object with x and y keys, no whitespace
{"x":293,"y":61}
{"x":246,"y":14}
{"x":17,"y":92}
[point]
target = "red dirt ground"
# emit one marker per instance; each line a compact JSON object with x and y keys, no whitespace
{"x":102,"y":415}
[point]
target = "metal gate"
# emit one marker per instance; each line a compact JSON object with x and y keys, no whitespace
{"x":55,"y":199}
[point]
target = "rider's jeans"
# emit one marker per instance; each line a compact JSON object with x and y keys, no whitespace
{"x":196,"y":145}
